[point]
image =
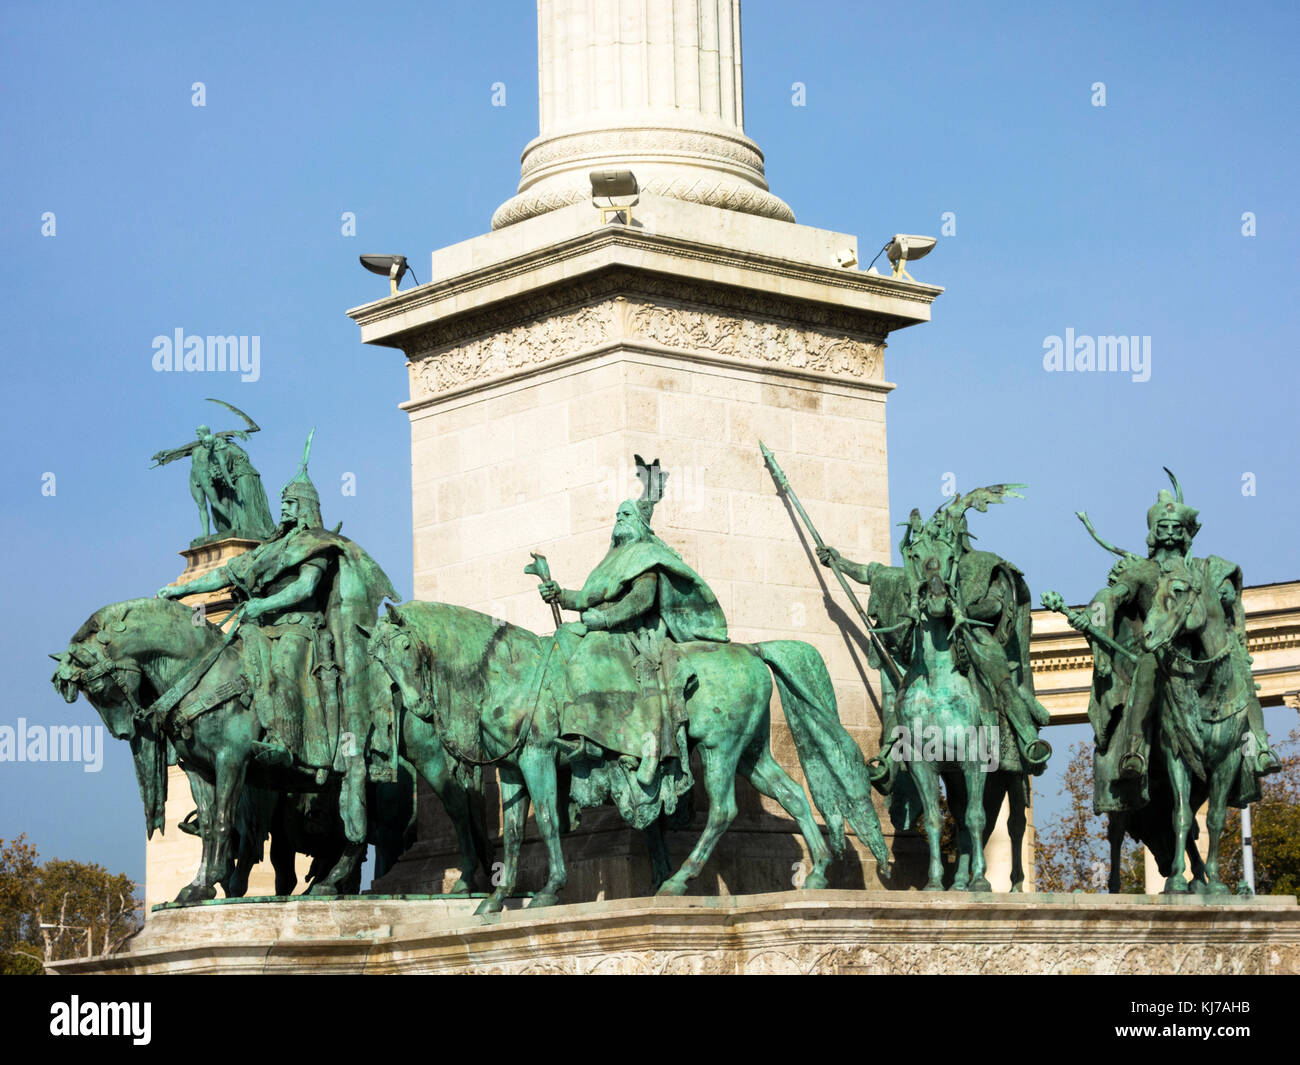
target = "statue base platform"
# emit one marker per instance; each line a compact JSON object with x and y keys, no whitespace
{"x":783,"y":932}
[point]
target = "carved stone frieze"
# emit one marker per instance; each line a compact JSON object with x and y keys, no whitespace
{"x":738,"y":332}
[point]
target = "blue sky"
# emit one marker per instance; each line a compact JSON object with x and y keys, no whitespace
{"x":225,"y":219}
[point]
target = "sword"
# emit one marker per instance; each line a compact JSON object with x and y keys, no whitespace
{"x":784,"y":484}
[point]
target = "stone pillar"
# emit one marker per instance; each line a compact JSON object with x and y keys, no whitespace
{"x":650,"y":85}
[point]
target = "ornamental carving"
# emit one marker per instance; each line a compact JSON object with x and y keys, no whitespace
{"x":559,"y":335}
{"x":770,"y":342}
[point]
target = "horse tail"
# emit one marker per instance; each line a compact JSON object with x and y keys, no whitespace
{"x":832,"y":763}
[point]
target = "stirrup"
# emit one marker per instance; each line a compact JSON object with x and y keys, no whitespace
{"x":1037,"y":753}
{"x":1132,"y":766}
{"x":1267,"y":763}
{"x":272,"y":753}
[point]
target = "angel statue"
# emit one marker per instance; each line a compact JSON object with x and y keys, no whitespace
{"x":222,"y":478}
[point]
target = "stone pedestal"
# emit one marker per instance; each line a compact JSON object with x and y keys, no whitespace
{"x":545,"y":355}
{"x":872,"y":932}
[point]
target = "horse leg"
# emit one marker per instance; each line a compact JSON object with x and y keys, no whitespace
{"x":762,"y":770}
{"x":1221,"y":779}
{"x":1195,"y":865}
{"x":1115,"y":828}
{"x":422,"y":750}
{"x":926,"y":779}
{"x":1017,"y":822}
{"x":514,"y":809}
{"x":1180,"y":782}
{"x":284,"y":860}
{"x":538,"y":767}
{"x":720,"y":785}
{"x":200,"y":887}
{"x":660,"y":866}
{"x":958,"y":798}
{"x":345,"y":873}
{"x":230,"y":768}
{"x":975,"y":778}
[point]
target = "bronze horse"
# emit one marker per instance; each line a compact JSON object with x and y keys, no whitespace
{"x":128,"y":655}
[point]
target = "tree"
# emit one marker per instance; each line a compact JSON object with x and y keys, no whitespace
{"x":1072,"y":853}
{"x":62,"y":909}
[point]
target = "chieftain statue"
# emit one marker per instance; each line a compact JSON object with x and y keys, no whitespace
{"x":950,"y":634}
{"x":284,"y":710}
{"x":621,"y":698}
{"x":303,"y":593}
{"x":1173,"y":703}
{"x":224,"y":482}
{"x":637,"y":605}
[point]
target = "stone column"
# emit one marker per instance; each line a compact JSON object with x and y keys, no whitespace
{"x":648,"y":85}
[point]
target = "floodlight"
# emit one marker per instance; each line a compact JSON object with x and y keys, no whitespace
{"x":391,"y":266}
{"x":905,"y":247}
{"x":614,"y":184}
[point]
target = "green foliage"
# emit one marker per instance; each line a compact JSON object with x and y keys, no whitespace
{"x":1072,"y":853}
{"x":88,"y":910}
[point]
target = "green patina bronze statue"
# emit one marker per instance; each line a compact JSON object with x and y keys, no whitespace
{"x":621,"y":698}
{"x":224,"y":482}
{"x":951,"y":639}
{"x":286,"y":700}
{"x":1173,"y":701}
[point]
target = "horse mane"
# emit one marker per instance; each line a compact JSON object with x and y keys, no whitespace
{"x":95,"y":624}
{"x":459,"y":643}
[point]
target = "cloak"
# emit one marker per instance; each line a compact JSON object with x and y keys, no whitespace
{"x":687,"y":605}
{"x":352,"y":590}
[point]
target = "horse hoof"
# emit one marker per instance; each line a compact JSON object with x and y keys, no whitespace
{"x":323,"y":890}
{"x":934,"y":885}
{"x":980,"y":884}
{"x":1176,"y":885}
{"x":544,"y":898}
{"x":491,"y":904}
{"x":1215,"y":887}
{"x":672,"y":886}
{"x":192,"y":893}
{"x":460,"y":888}
{"x":960,"y":885}
{"x":814,"y":882}
{"x":1017,"y":889}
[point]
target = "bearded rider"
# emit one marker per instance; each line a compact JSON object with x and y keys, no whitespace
{"x":1125,"y":690}
{"x":304,"y":592}
{"x":644,"y":600}
{"x":991,"y":608}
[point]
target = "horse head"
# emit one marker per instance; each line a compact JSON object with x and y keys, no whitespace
{"x":402,"y":657}
{"x":94,"y":667}
{"x":97,"y":665}
{"x":1177,"y":608}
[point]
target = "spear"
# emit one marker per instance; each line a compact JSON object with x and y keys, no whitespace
{"x":784,"y":484}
